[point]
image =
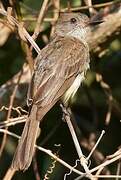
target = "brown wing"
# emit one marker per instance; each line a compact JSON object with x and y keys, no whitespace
{"x":56,"y":68}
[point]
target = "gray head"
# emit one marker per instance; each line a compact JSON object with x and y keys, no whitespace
{"x":73,"y":24}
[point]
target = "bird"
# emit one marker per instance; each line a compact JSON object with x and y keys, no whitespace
{"x":58,"y":72}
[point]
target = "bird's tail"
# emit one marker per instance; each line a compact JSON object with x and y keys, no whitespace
{"x":25,"y":150}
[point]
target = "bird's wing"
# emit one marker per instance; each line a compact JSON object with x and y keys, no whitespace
{"x":56,"y":68}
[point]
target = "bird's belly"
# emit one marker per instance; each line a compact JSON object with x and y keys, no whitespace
{"x":73,"y":88}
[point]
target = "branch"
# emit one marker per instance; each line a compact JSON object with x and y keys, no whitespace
{"x":12,"y":97}
{"x":47,"y":152}
{"x":22,"y":31}
{"x":83,"y":160}
{"x":106,"y":32}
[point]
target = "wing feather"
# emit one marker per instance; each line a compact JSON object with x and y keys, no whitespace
{"x":56,"y":68}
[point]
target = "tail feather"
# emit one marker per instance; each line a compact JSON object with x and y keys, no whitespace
{"x":24,"y":152}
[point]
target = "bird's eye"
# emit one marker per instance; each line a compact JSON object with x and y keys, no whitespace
{"x":73,"y":20}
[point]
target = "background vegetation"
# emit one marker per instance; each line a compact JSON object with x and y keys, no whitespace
{"x":96,"y":106}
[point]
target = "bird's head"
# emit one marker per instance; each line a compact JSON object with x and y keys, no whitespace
{"x":73,"y":24}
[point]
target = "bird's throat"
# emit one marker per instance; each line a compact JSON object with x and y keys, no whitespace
{"x":79,"y":33}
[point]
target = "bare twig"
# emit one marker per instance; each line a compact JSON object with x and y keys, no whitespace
{"x":40,"y":19}
{"x":104,"y":34}
{"x":113,"y":104}
{"x":9,"y":113}
{"x":55,"y":16}
{"x":107,"y":162}
{"x":103,"y":176}
{"x":18,"y":109}
{"x":29,"y":56}
{"x":99,"y":172}
{"x":13,"y":21}
{"x":109,"y":113}
{"x":95,"y":146}
{"x":118,"y":170}
{"x":83,"y":160}
{"x":12,"y":121}
{"x":92,"y":6}
{"x":47,"y":152}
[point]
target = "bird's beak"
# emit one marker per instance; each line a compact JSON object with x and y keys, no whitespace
{"x":95,"y":22}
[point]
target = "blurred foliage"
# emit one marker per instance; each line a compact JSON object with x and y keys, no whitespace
{"x":89,"y":105}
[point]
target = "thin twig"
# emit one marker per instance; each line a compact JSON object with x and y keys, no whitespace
{"x":89,"y":4}
{"x":95,"y":146}
{"x":83,"y":160}
{"x":118,"y":170}
{"x":12,"y":121}
{"x":47,"y":152}
{"x":9,"y":112}
{"x":103,"y":176}
{"x":40,"y":19}
{"x":18,"y":109}
{"x":93,"y":6}
{"x":99,"y":172}
{"x":107,"y":162}
{"x":13,"y":21}
{"x":55,"y":16}
{"x":101,"y":5}
{"x":29,"y":56}
{"x":111,"y":100}
{"x":109,"y":113}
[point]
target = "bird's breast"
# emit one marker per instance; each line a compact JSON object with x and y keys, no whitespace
{"x":73,"y":88}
